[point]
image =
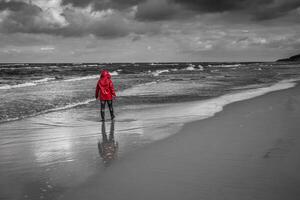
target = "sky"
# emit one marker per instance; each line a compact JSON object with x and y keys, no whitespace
{"x":148,"y":30}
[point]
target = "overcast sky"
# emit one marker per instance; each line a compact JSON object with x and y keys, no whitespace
{"x":148,"y":30}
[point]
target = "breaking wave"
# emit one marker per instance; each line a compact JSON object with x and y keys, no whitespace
{"x":26,"y":84}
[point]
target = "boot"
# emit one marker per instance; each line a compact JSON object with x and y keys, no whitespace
{"x":102,"y":115}
{"x":112,"y":116}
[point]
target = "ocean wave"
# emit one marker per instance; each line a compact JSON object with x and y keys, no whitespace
{"x":163,"y":64}
{"x":71,"y":105}
{"x":138,"y":90}
{"x":158,"y":72}
{"x":114,"y":73}
{"x":54,"y":79}
{"x":164,"y":89}
{"x":26,"y":84}
{"x":251,"y":86}
{"x":192,"y":67}
{"x":226,"y":65}
{"x":19,"y":68}
{"x":82,"y":78}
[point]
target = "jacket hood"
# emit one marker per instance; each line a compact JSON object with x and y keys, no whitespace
{"x":105,"y":74}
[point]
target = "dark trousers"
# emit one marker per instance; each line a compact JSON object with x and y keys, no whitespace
{"x":110,"y":106}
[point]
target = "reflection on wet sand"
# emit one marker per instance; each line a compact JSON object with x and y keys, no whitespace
{"x":108,"y":147}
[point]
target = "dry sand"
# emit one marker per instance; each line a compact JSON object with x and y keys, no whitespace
{"x":250,"y":150}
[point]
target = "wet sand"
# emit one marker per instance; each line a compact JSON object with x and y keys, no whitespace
{"x":250,"y":150}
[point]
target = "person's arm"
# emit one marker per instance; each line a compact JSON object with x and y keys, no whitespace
{"x":97,"y":90}
{"x":112,"y":89}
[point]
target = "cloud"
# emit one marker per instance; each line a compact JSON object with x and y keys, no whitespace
{"x":12,"y":5}
{"x":136,"y":38}
{"x":29,"y":18}
{"x":120,"y":18}
{"x":21,"y":39}
{"x":106,"y":24}
{"x":207,"y":6}
{"x":258,"y":9}
{"x":51,"y":18}
{"x":103,"y":4}
{"x":156,"y":10}
{"x":276,"y":9}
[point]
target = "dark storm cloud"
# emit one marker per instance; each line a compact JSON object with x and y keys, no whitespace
{"x":156,"y":10}
{"x":275,"y":10}
{"x":112,"y":26}
{"x":29,"y":18}
{"x":78,"y":3}
{"x":136,"y":38}
{"x":21,"y":17}
{"x":208,"y":6}
{"x":12,"y":5}
{"x":257,"y":9}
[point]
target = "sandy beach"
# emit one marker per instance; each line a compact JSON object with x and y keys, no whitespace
{"x":250,"y":150}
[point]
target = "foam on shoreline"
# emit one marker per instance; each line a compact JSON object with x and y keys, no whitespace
{"x":197,"y":110}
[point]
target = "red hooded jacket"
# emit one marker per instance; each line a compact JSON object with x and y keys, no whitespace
{"x":105,"y":87}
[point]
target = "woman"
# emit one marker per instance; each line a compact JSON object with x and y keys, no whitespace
{"x":105,"y":92}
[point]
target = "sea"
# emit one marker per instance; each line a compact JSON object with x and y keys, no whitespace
{"x":28,"y":90}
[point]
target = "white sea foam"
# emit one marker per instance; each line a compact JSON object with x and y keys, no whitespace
{"x":82,"y":78}
{"x":200,"y":67}
{"x":192,"y":67}
{"x":72,"y":105}
{"x":214,"y":70}
{"x":26,"y":84}
{"x":150,"y":83}
{"x":7,"y":87}
{"x":44,"y":80}
{"x":158,"y":72}
{"x":115,"y":73}
{"x":210,"y":107}
{"x":226,"y":65}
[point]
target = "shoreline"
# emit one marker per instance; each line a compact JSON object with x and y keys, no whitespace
{"x":76,"y":105}
{"x":238,"y":154}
